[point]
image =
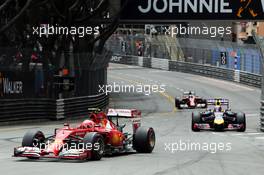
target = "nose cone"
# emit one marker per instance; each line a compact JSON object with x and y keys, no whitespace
{"x":56,"y":147}
{"x":219,"y":121}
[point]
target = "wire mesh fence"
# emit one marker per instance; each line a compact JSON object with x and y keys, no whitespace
{"x":244,"y":57}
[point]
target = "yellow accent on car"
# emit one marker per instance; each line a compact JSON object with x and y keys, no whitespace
{"x":219,"y":121}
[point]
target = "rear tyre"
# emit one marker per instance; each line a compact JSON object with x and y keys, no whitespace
{"x":144,"y":140}
{"x":95,"y":143}
{"x":177,"y":103}
{"x":33,"y":139}
{"x":196,"y":118}
{"x":241,"y":120}
{"x":205,"y":102}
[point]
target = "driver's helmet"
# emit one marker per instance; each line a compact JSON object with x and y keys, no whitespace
{"x":87,"y":124}
{"x":98,"y":118}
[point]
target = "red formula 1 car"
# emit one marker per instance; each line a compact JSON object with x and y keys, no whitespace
{"x":190,"y":100}
{"x":92,"y":139}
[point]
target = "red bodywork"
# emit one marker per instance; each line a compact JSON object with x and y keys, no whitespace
{"x":192,"y":102}
{"x":98,"y":122}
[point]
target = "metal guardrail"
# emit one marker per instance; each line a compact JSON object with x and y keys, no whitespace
{"x":262,"y":116}
{"x":250,"y":79}
{"x":26,"y":109}
{"x":42,"y":109}
{"x":193,"y":68}
{"x":74,"y":107}
{"x":204,"y":70}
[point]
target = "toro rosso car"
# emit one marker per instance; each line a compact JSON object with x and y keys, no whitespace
{"x":218,"y":118}
{"x":190,"y":100}
{"x":92,"y":139}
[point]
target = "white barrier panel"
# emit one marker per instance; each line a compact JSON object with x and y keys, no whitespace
{"x":237,"y":76}
{"x":160,"y":63}
{"x":140,"y":61}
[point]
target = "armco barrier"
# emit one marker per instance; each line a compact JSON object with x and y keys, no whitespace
{"x":157,"y":63}
{"x":193,"y":68}
{"x":262,"y":116}
{"x":250,"y":79}
{"x":26,"y":109}
{"x":78,"y":106}
{"x":42,"y":109}
{"x":204,"y":70}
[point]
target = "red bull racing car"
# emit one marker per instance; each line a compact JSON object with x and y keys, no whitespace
{"x":190,"y":100}
{"x":92,"y":139}
{"x":218,"y":118}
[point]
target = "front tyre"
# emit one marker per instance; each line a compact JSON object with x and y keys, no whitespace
{"x":177,"y":103}
{"x":33,"y":139}
{"x":144,"y":140}
{"x":205,"y":104}
{"x":95,"y":143}
{"x":196,"y":118}
{"x":241,"y":120}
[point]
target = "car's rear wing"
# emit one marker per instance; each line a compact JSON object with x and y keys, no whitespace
{"x":218,"y":102}
{"x":94,"y":110}
{"x":133,"y":114}
{"x":124,"y":113}
{"x":189,"y":93}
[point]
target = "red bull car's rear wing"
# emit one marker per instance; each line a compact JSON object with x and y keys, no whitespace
{"x":218,"y":102}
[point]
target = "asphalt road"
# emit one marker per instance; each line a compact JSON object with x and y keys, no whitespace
{"x":219,"y":152}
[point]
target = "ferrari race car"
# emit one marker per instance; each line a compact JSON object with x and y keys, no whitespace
{"x":92,"y":139}
{"x":190,"y":100}
{"x":218,"y":118}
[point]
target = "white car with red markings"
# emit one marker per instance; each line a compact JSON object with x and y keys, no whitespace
{"x":190,"y":100}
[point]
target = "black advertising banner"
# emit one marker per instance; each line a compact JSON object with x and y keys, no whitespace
{"x":173,"y":10}
{"x":20,"y":84}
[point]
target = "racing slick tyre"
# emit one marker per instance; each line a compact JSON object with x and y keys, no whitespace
{"x":95,"y":142}
{"x":33,"y":139}
{"x":144,"y":140}
{"x":205,"y":102}
{"x":241,"y":120}
{"x":177,"y":103}
{"x":196,"y":118}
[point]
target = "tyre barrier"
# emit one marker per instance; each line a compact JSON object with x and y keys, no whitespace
{"x":12,"y":110}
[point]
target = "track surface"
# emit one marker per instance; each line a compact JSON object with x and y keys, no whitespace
{"x":245,"y":157}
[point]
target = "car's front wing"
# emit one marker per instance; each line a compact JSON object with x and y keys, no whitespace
{"x":205,"y":126}
{"x":32,"y":152}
